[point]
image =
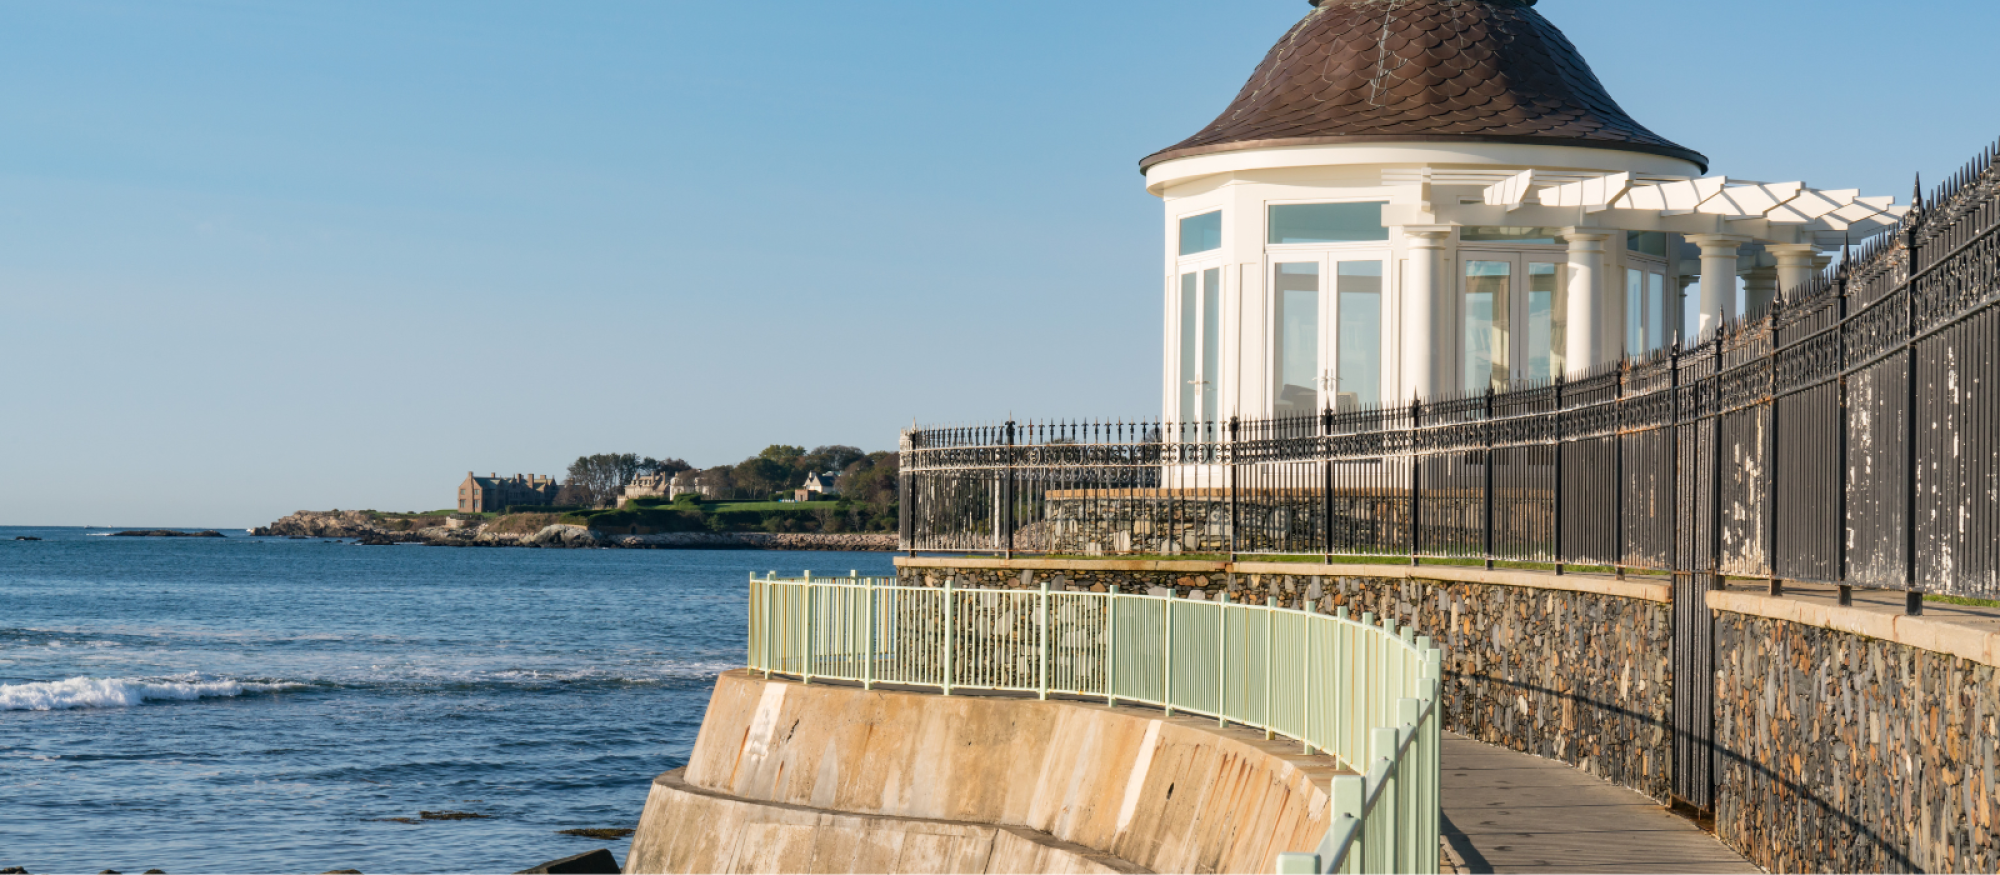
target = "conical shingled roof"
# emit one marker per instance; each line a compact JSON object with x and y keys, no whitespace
{"x":1490,"y":71}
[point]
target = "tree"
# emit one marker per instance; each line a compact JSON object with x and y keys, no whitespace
{"x":669,"y":467}
{"x":833,"y":458}
{"x":762,"y":476}
{"x":597,"y":481}
{"x":870,"y":481}
{"x":716,"y":482}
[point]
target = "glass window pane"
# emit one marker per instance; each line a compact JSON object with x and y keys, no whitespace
{"x":1652,"y":243}
{"x":1201,"y":233}
{"x":1486,"y":324}
{"x":1548,"y":305}
{"x":1327,"y":223}
{"x":1211,"y":343}
{"x":1507,"y":234}
{"x":1298,"y":339}
{"x":1360,"y":379}
{"x":1656,"y":310}
{"x":1190,"y":346}
{"x":1635,"y":311}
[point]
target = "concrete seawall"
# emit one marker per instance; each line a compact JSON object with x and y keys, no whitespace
{"x":818,"y":778}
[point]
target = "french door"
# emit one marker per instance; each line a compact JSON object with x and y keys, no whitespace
{"x":1197,"y":300}
{"x":1511,"y":318}
{"x":1327,"y":331}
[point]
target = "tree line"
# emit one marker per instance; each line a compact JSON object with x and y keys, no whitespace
{"x":865,"y":479}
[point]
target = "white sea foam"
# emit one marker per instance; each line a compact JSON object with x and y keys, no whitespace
{"x":83,"y":692}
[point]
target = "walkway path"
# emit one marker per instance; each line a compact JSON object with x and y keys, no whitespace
{"x":1511,"y":812}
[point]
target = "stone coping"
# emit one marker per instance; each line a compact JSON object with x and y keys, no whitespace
{"x":1600,"y":584}
{"x":1924,"y":633}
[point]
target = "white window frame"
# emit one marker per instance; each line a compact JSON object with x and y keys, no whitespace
{"x":1327,"y":258}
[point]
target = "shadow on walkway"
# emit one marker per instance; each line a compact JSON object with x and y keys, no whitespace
{"x":1511,"y":812}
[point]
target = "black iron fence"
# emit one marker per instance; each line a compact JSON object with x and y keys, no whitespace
{"x":1850,"y":435}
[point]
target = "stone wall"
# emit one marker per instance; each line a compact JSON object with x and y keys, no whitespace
{"x":1845,"y":751}
{"x":1573,"y":669}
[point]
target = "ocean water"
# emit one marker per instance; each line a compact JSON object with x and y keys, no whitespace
{"x":268,"y":705}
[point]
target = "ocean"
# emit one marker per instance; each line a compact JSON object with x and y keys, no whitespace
{"x":269,"y":705}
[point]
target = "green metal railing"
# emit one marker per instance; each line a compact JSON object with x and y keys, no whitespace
{"x":1361,"y":690}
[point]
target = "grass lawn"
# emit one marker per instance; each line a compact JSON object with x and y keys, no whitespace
{"x":1961,"y":601}
{"x":731,"y":506}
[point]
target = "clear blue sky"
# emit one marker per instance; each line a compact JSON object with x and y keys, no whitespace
{"x":258,"y":257}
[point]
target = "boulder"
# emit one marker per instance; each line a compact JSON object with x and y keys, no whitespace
{"x":570,"y":537}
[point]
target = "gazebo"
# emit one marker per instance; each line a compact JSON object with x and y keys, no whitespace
{"x":1424,"y":197}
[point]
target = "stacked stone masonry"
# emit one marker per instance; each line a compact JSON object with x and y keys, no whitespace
{"x":1845,"y":740}
{"x":1578,"y":677}
{"x":1843,"y":753}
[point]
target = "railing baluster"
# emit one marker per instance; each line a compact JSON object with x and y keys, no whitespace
{"x":1369,"y":693}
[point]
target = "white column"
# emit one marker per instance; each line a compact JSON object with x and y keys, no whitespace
{"x":1760,"y":288}
{"x":1677,"y":317}
{"x":1423,"y":289}
{"x":1718,"y":278}
{"x":1795,"y":265}
{"x":1584,"y":346}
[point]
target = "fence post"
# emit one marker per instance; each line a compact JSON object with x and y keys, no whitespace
{"x":1348,"y":795}
{"x":1416,"y":476}
{"x":1913,"y":598}
{"x":950,"y":632}
{"x":811,"y":646}
{"x":1326,"y":471}
{"x":1270,"y":646}
{"x":1007,"y":503}
{"x":1043,"y":609}
{"x":1111,"y":647}
{"x":1618,"y":475}
{"x":1221,"y":658}
{"x":1559,"y":474}
{"x":1167,"y":653}
{"x":1235,"y":521}
{"x":1306,"y":678}
{"x":1409,"y":781}
{"x":1381,"y":752}
{"x":868,"y":643}
{"x":906,"y":492}
{"x":1488,"y":430}
{"x":1840,"y":355}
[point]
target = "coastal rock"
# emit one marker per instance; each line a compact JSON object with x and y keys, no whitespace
{"x":320,"y":524}
{"x":567,"y":537}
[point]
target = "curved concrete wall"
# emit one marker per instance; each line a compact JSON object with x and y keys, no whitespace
{"x":1168,"y":794}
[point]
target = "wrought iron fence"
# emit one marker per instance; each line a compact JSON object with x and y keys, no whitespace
{"x":1364,"y":691}
{"x":1849,"y":435}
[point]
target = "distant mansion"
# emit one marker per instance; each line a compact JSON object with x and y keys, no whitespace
{"x":692,"y":482}
{"x":817,"y":485}
{"x":651,"y":486}
{"x":494,"y":493}
{"x":668,"y":485}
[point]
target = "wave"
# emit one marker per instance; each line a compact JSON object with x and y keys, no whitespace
{"x":85,"y":692}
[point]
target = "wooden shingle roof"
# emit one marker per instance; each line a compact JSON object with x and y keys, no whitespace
{"x":1424,"y":70}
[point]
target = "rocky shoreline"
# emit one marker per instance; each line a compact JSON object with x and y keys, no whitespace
{"x":370,"y":530}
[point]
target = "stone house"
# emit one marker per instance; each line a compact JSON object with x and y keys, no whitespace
{"x":650,"y":486}
{"x":686,"y":482}
{"x":494,"y":493}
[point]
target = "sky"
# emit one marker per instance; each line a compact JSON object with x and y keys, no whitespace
{"x":264,"y":257}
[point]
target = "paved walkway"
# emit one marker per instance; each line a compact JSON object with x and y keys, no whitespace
{"x":1511,"y":812}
